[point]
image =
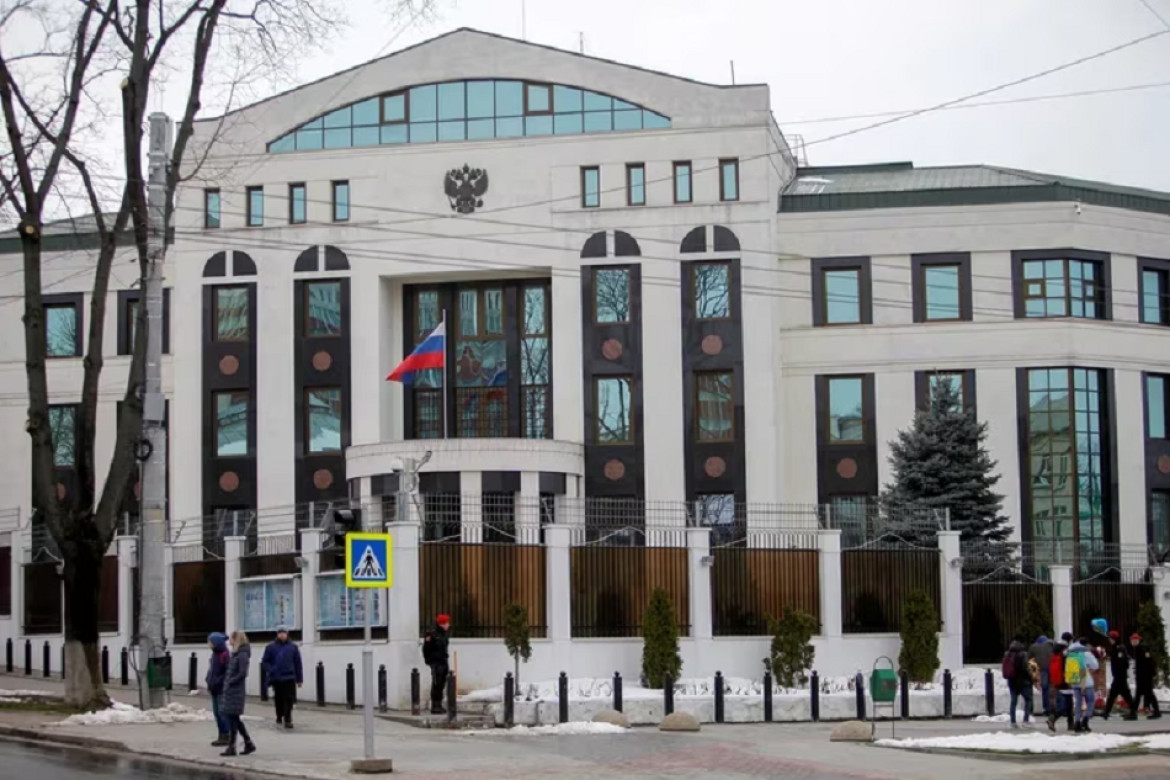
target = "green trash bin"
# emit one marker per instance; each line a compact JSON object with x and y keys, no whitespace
{"x":883,"y":686}
{"x":158,"y":673}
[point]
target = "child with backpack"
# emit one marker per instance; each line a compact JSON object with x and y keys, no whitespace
{"x":1061,"y":693}
{"x":1019,"y":679}
{"x":1079,"y":665}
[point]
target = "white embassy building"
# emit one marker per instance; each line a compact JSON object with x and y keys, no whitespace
{"x":647,"y":299}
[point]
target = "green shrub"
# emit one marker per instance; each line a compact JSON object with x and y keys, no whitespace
{"x":660,"y":655}
{"x":1037,"y":620}
{"x":517,"y":635}
{"x":1153,"y":630}
{"x":919,"y":654}
{"x":792,"y":650}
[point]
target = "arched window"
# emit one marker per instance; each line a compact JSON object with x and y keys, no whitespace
{"x":469,"y":111}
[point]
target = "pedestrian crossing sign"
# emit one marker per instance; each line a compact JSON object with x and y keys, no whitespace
{"x":368,"y":563}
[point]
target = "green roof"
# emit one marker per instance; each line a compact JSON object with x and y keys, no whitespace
{"x":901,"y":185}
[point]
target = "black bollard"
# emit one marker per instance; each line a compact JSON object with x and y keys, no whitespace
{"x":989,"y":691}
{"x":383,"y":705}
{"x":814,"y":692}
{"x":415,"y":692}
{"x":947,"y":707}
{"x":767,"y":697}
{"x":667,"y":694}
{"x":320,"y":684}
{"x":350,"y":702}
{"x":8,"y":655}
{"x":62,"y":660}
{"x":170,"y":666}
{"x":263,"y":683}
{"x":859,"y":687}
{"x":617,"y":691}
{"x":45,"y":658}
{"x":105,"y":665}
{"x":193,"y":672}
{"x":125,"y":670}
{"x":27,"y":656}
{"x":563,"y":698}
{"x":905,"y":695}
{"x":452,"y":699}
{"x":718,"y":697}
{"x":509,"y":700}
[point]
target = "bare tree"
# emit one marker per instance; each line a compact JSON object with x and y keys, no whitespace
{"x":50,"y":97}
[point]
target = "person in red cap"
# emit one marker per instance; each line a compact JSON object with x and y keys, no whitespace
{"x":1144,"y":673}
{"x":1119,"y":666}
{"x":435,"y":656}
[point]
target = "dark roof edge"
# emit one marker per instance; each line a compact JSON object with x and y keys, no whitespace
{"x":478,"y":32}
{"x":862,"y":168}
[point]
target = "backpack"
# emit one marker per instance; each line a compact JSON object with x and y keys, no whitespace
{"x":1074,"y":669}
{"x":1009,"y":666}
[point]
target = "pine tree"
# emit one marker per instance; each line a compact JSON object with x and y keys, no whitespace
{"x":1037,"y":620}
{"x":516,"y":636}
{"x":660,"y":653}
{"x":1153,"y":630}
{"x":941,"y":462}
{"x":919,"y":654}
{"x":792,"y":649}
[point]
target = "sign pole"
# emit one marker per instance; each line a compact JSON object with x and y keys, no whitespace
{"x":368,"y":681}
{"x":369,"y":564}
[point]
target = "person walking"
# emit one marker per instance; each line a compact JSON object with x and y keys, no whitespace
{"x":282,"y":669}
{"x":435,"y":655}
{"x":216,"y":673}
{"x":235,"y":694}
{"x":1041,"y":653}
{"x":1119,"y":668}
{"x":1144,"y":673}
{"x":1079,"y":664}
{"x":1019,"y":680}
{"x":1061,"y":693}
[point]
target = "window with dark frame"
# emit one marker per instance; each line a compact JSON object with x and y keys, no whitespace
{"x":341,"y":201}
{"x":63,"y":432}
{"x":715,"y":406}
{"x":955,"y":379}
{"x":682,"y":182}
{"x":128,"y":320}
{"x":613,"y":399}
{"x":611,"y":295}
{"x":942,"y":287}
{"x":211,"y":208}
{"x":297,"y":204}
{"x":323,"y":309}
{"x":428,"y":384}
{"x":711,"y":288}
{"x":1160,"y":522}
{"x":590,"y":187}
{"x":729,"y":179}
{"x":636,"y":184}
{"x":230,"y":316}
{"x":1157,"y":411}
{"x":841,"y":301}
{"x":481,"y":346}
{"x":62,"y":330}
{"x":536,"y":364}
{"x":230,"y":408}
{"x":255,"y":206}
{"x":1154,"y":292}
{"x":1063,"y":287}
{"x":323,"y":419}
{"x":847,"y":414}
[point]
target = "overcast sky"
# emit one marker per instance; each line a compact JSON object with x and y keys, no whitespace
{"x":828,"y":58}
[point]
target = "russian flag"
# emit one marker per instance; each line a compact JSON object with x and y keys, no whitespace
{"x":431,"y":353}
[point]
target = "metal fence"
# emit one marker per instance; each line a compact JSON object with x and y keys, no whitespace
{"x":5,"y":581}
{"x":750,"y":586}
{"x":875,"y":583}
{"x":999,"y":580}
{"x":42,"y":598}
{"x":873,"y":524}
{"x":198,"y":598}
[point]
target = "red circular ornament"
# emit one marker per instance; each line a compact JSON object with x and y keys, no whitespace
{"x":229,"y":481}
{"x":229,"y":365}
{"x":611,"y":349}
{"x":712,"y":344}
{"x":322,"y":478}
{"x":847,"y":468}
{"x":322,"y":361}
{"x":715,"y":467}
{"x":615,"y":470}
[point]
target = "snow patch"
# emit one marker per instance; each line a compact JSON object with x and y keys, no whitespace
{"x":1002,"y":717}
{"x":1007,"y":742}
{"x":20,"y":692}
{"x":10,"y":700}
{"x":125,"y":715}
{"x":573,"y":729}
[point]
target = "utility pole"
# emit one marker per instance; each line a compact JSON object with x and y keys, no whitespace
{"x":152,"y":534}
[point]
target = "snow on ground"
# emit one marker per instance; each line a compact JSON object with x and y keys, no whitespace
{"x":1157,"y":741}
{"x":1012,"y":742}
{"x":1002,"y":717}
{"x":573,"y":728}
{"x":124,"y":714}
{"x":10,"y":700}
{"x":591,"y":688}
{"x":22,"y":693}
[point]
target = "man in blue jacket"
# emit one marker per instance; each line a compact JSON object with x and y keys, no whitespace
{"x":282,"y":667}
{"x":216,"y":672}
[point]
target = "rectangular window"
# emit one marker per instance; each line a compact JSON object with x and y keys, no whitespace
{"x":211,"y":208}
{"x":682,"y":182}
{"x":1154,"y":291}
{"x":1062,"y":287}
{"x":231,"y":423}
{"x":131,"y":328}
{"x":341,"y":201}
{"x":63,"y":430}
{"x":323,"y":309}
{"x":611,"y":295}
{"x":62,"y":330}
{"x":841,"y":291}
{"x":590,"y":187}
{"x":846,"y":409}
{"x":954,"y":380}
{"x":230,"y":315}
{"x":129,"y":306}
{"x":537,"y":99}
{"x":712,"y":290}
{"x":1160,"y":522}
{"x":614,"y":415}
{"x":296,"y":204}
{"x":323,"y":419}
{"x":636,"y":184}
{"x":1156,"y":409}
{"x":942,"y":287}
{"x":255,"y":206}
{"x":729,"y":180}
{"x":536,"y":364}
{"x":715,"y":405}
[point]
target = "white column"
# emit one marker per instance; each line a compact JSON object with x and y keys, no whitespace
{"x":310,"y":551}
{"x":829,"y":543}
{"x":471,"y":507}
{"x":403,"y":613}
{"x":1161,"y":594}
{"x":371,"y":506}
{"x":127,"y":552}
{"x":233,"y":550}
{"x":558,"y":582}
{"x":565,"y":308}
{"x":169,"y":596}
{"x":699,"y":576}
{"x":18,"y":556}
{"x":1062,"y":610}
{"x":951,"y":579}
{"x":528,"y":509}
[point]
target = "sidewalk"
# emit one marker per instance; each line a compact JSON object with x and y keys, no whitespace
{"x":325,"y":740}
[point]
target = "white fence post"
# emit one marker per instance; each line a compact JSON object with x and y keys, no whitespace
{"x":402,"y":612}
{"x":951,"y":581}
{"x":127,"y":552}
{"x":1062,"y":609}
{"x":233,"y":550}
{"x":558,"y":584}
{"x":829,"y":544}
{"x":311,"y":553}
{"x":1162,"y":592}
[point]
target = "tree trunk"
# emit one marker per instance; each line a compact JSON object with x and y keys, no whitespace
{"x":83,"y":685}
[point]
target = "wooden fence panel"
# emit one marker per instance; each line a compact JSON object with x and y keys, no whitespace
{"x":474,"y":584}
{"x":612,"y":585}
{"x":198,"y":595}
{"x":42,"y":598}
{"x":5,"y":581}
{"x":992,"y":615}
{"x":875,"y":584}
{"x":108,"y":596}
{"x":750,"y":585}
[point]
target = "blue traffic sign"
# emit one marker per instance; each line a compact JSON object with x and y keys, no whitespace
{"x":368,"y":562}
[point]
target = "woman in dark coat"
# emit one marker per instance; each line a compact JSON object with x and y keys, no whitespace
{"x":235,"y":693}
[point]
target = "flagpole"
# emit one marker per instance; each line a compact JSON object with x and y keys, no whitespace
{"x":446,"y":405}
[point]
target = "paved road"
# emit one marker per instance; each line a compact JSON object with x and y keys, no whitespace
{"x":25,"y":761}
